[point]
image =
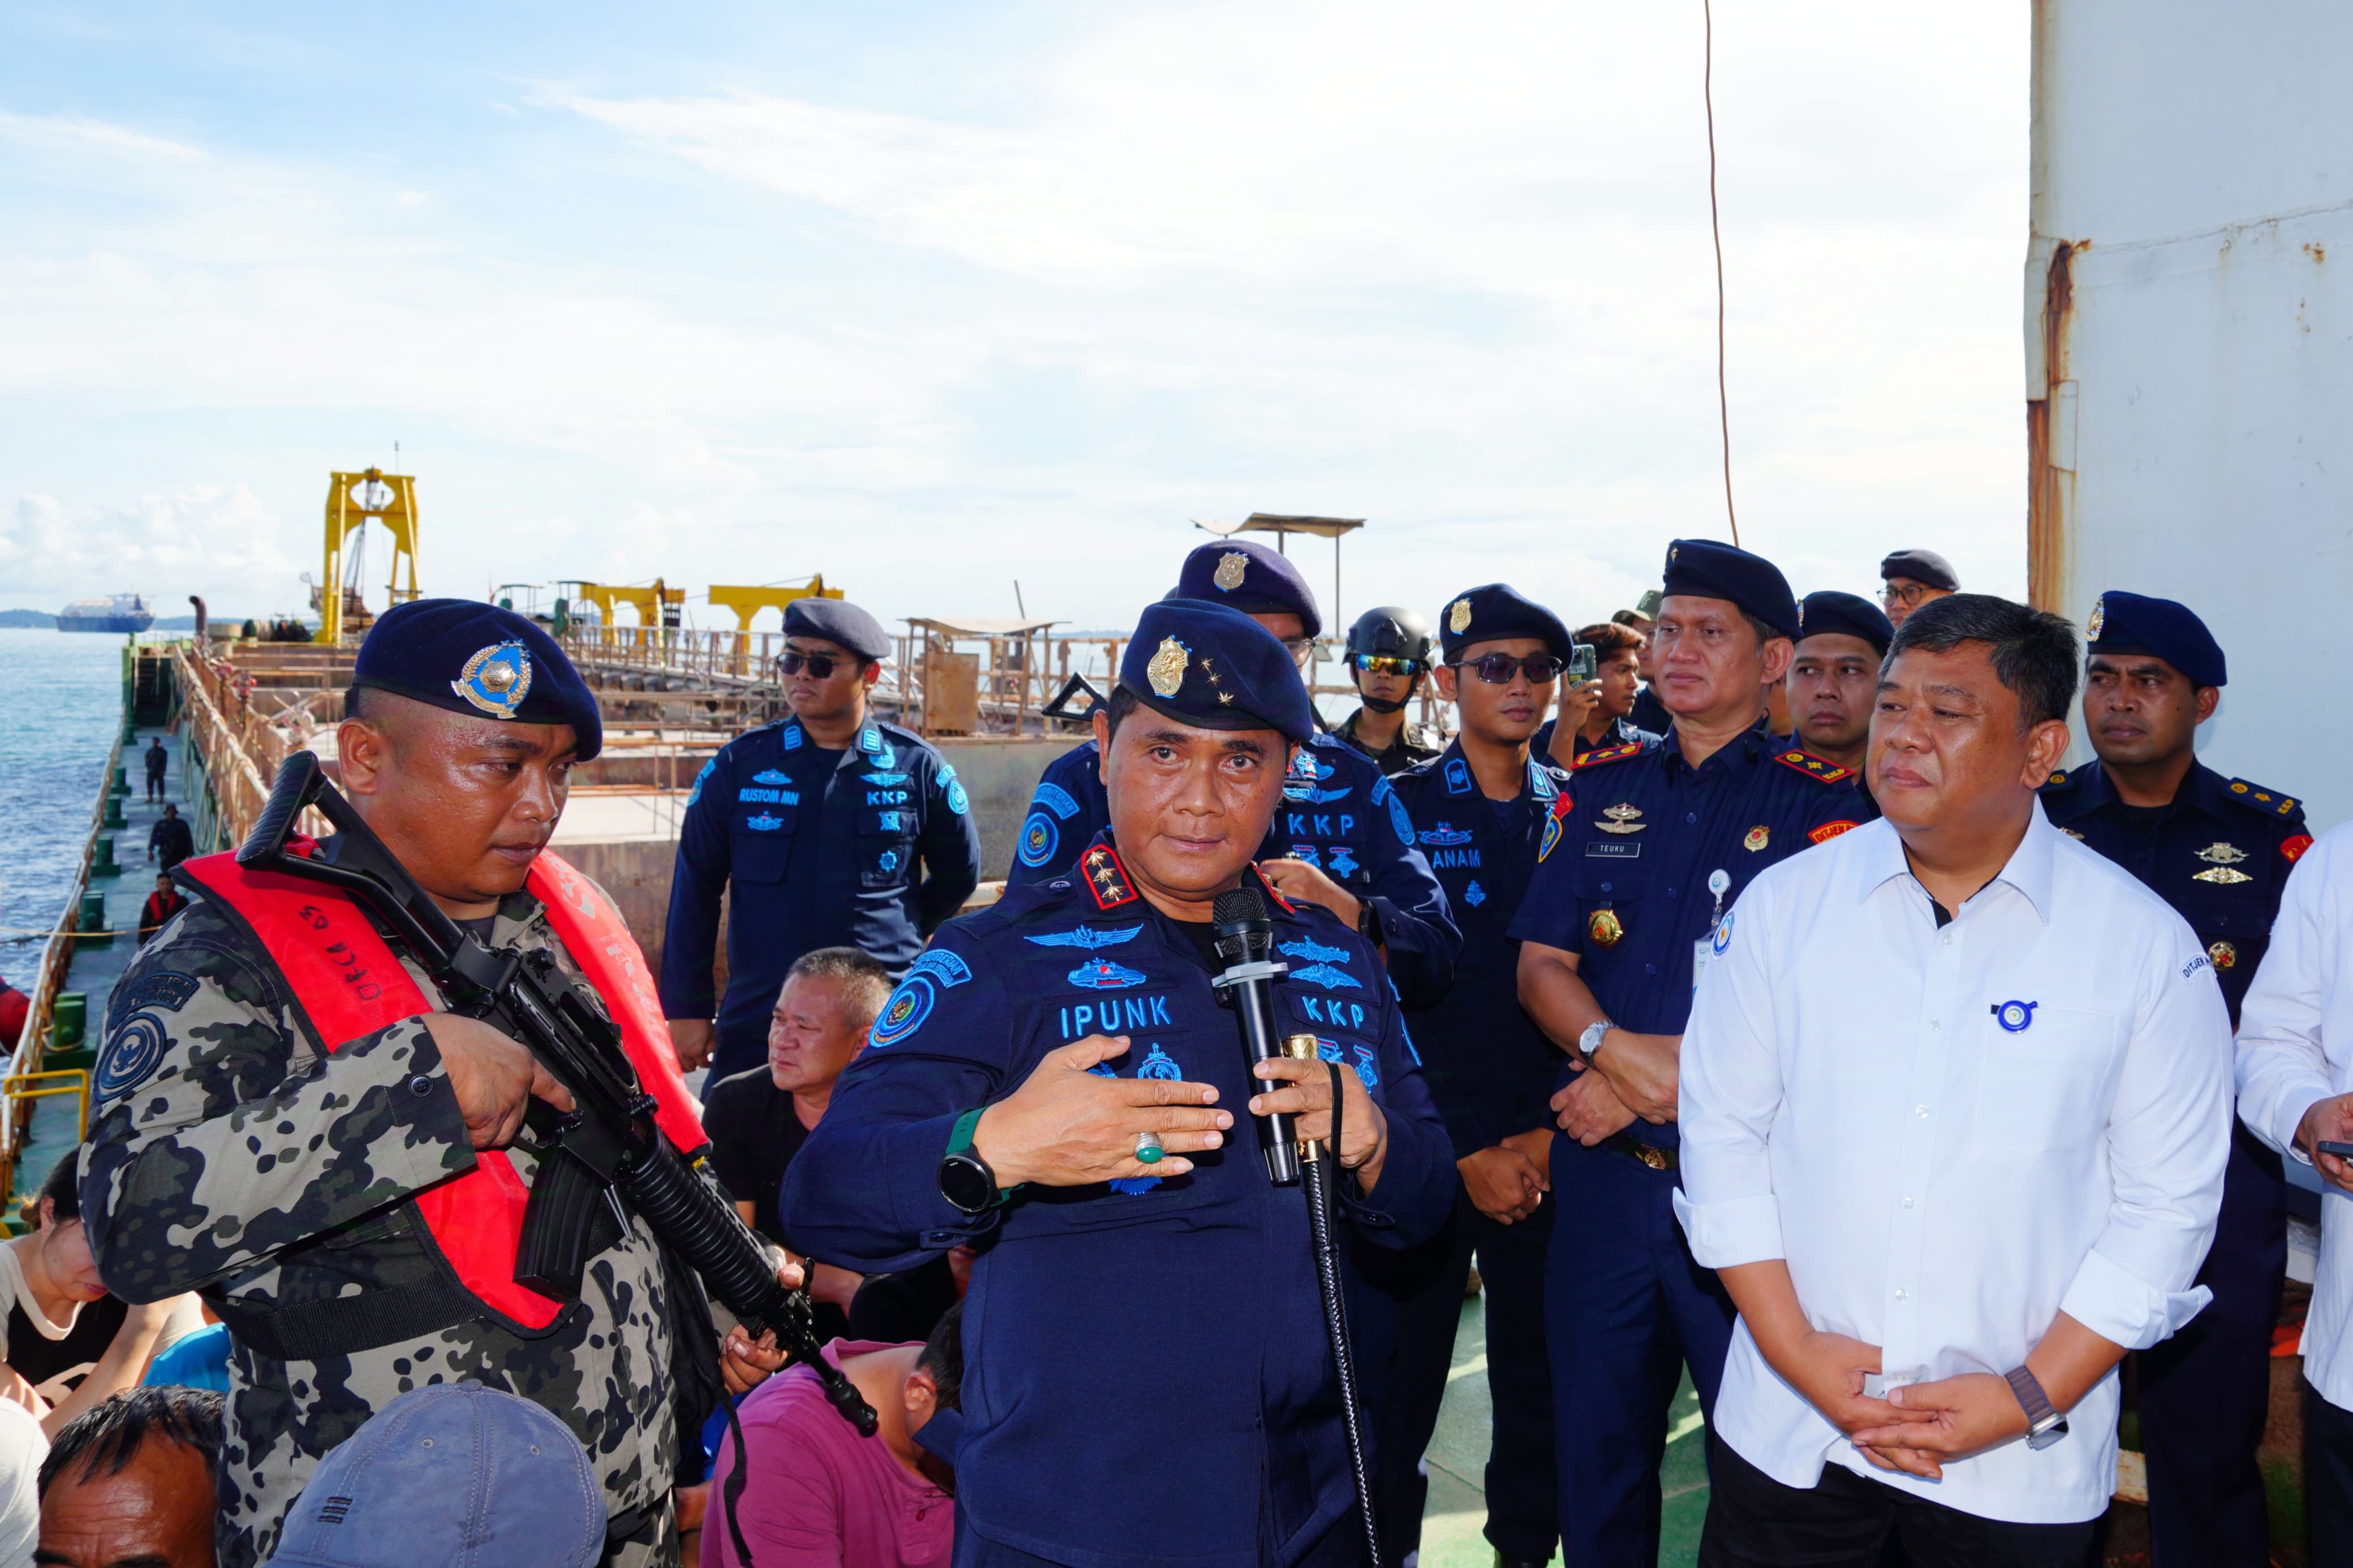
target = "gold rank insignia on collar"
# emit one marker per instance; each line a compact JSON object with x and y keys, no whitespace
{"x":1106,"y":878}
{"x":1813,"y":767}
{"x":1621,"y":819}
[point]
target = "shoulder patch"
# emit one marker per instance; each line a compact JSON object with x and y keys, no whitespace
{"x":1829,"y":830}
{"x":1056,"y":799}
{"x":165,"y":989}
{"x":2270,"y":802}
{"x":1813,"y":767}
{"x":696,"y":792}
{"x":1601,"y":754}
{"x":2294,"y":849}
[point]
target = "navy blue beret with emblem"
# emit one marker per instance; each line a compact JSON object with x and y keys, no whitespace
{"x":1921,"y":566}
{"x":478,"y":658}
{"x":1216,"y":669}
{"x":1703,"y":568}
{"x":1850,"y":614}
{"x":2125,"y":622}
{"x":1493,"y":612}
{"x":839,"y":622}
{"x":1251,"y":578}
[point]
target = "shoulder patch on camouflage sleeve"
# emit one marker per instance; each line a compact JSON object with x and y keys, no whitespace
{"x":1813,"y":767}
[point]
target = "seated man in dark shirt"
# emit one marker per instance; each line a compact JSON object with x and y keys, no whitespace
{"x":757,"y":1121}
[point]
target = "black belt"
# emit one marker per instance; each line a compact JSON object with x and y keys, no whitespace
{"x":1646,"y":1155}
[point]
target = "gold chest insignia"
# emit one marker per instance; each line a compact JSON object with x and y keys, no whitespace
{"x":2222,"y":955}
{"x":2221,"y":854}
{"x":1758,"y":836}
{"x":1621,"y":819}
{"x":1458,"y":616}
{"x":2222,"y":876}
{"x":1230,"y":568}
{"x":1604,"y":928}
{"x":1167,"y":670}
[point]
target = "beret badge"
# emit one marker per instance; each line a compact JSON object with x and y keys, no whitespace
{"x":2099,"y":618}
{"x":496,"y":680}
{"x":1230,"y":568}
{"x":1167,"y":670}
{"x":1458,"y":616}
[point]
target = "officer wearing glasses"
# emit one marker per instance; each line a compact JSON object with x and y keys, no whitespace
{"x":1389,"y":653}
{"x":832,"y":830}
{"x":1912,"y":578}
{"x":1646,"y":849}
{"x":1342,"y":841}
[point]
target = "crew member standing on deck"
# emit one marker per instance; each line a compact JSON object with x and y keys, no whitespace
{"x":1480,"y":810}
{"x":322,"y":1150}
{"x":827,"y":828}
{"x":1648,"y":847}
{"x":1147,"y":1379}
{"x":1388,"y":656}
{"x":1342,"y":841}
{"x":2219,"y":850}
{"x":157,"y":758}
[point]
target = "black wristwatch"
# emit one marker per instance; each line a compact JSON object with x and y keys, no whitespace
{"x":2044,"y":1426}
{"x":965,"y":1180}
{"x":1368,"y":921}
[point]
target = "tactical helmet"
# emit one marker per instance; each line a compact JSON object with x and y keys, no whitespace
{"x":1391,"y":630}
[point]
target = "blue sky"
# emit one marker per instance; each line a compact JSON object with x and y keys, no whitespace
{"x":933,"y":298}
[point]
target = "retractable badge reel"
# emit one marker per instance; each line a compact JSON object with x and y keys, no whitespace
{"x":1709,"y":948}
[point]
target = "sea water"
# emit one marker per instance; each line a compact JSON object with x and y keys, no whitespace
{"x":60,"y":702}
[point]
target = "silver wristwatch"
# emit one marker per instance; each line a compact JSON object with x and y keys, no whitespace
{"x":1590,"y":1040}
{"x":2044,"y":1426}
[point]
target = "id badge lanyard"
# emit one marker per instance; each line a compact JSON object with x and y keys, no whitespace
{"x":1708,"y":947}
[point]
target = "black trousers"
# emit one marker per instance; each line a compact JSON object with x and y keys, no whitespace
{"x":1847,"y":1520}
{"x":2327,"y":1480}
{"x":1422,"y":1295}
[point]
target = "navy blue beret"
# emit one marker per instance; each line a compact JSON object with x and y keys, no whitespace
{"x":2134,"y":623}
{"x":1249,"y":578}
{"x":1703,"y":568}
{"x":1214,"y":667}
{"x":1852,"y":614}
{"x":839,"y":622}
{"x":1496,"y":611}
{"x":1921,"y":566}
{"x":472,"y":657}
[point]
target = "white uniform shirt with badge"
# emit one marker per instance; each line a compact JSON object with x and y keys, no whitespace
{"x":2295,"y":1046}
{"x":1952,"y":1135}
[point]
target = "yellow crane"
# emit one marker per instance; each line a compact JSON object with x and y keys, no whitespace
{"x":353,"y":501}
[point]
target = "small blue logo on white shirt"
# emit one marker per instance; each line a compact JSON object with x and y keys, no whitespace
{"x":2015,"y":1016}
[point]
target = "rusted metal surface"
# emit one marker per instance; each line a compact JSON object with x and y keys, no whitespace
{"x":2050,"y":489}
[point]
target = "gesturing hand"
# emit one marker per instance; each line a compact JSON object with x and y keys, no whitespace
{"x":1067,"y":1127}
{"x":1306,"y":1094}
{"x":495,"y":1079}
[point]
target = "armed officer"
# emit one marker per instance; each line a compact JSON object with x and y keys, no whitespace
{"x":1387,"y":654}
{"x":285,"y":1120}
{"x":1480,"y":810}
{"x":1341,"y":840}
{"x":2219,"y":850}
{"x":827,"y":828}
{"x":1647,"y":848}
{"x":1147,"y":1375}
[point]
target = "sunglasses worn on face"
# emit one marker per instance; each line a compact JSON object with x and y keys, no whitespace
{"x":1497,"y":669}
{"x":1388,"y":664}
{"x":820,"y":665}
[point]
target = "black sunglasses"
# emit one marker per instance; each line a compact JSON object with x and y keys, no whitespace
{"x":821,"y":665}
{"x":1497,"y":669}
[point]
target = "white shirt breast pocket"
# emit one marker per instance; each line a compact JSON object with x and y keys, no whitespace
{"x":2046,"y":1075}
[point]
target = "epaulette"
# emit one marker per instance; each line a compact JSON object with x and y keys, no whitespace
{"x":2271,"y":802}
{"x":1601,"y":754}
{"x":1813,"y":767}
{"x":2061,"y":782}
{"x":1105,"y":878}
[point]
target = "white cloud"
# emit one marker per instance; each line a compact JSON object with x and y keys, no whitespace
{"x":200,"y":537}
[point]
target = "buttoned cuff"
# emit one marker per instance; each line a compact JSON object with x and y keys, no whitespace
{"x":2121,"y":1307}
{"x":2290,"y":1101}
{"x":1736,"y":1231}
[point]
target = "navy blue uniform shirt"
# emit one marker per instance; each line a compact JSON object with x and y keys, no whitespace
{"x":2219,"y":855}
{"x":1490,"y":1068}
{"x":1623,"y":883}
{"x":1146,"y":1379}
{"x":1339,"y":815}
{"x":823,"y":850}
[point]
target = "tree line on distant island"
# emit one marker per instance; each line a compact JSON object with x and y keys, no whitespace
{"x":42,"y":620}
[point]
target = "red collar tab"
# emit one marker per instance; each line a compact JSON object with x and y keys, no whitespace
{"x":1281,"y":902}
{"x":1106,"y":879}
{"x":1814,"y":768}
{"x":1608,"y":754}
{"x":1562,"y":806}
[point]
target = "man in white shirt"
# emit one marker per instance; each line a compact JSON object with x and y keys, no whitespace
{"x":1955,"y":1103}
{"x":2296,"y":1066}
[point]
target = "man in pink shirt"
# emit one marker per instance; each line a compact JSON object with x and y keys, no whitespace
{"x":817,"y":1495}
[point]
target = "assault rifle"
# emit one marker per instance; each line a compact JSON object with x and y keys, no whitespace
{"x":593,"y":1160}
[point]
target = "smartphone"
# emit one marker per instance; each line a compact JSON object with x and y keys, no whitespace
{"x":2342,"y":1151}
{"x":1583,"y":663}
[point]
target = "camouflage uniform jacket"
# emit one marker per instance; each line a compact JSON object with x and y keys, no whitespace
{"x":229,"y":1153}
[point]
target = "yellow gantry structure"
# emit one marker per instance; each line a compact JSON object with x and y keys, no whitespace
{"x":353,"y":502}
{"x":749,"y":601}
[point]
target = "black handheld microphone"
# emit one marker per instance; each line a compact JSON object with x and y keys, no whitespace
{"x":1245,"y":937}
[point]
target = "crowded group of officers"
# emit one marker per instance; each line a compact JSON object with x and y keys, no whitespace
{"x":1495,"y":936}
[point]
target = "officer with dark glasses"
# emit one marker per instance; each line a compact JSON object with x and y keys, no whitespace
{"x":1387,"y":654}
{"x":827,"y":828}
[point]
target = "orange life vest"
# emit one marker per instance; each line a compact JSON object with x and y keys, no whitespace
{"x":347,"y":984}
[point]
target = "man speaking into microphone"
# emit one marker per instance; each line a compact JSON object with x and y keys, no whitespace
{"x":1148,"y":1374}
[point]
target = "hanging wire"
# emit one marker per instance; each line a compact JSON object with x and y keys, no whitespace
{"x":1716,"y":228}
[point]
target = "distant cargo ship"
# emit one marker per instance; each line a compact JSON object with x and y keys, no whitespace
{"x":117,"y":612}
